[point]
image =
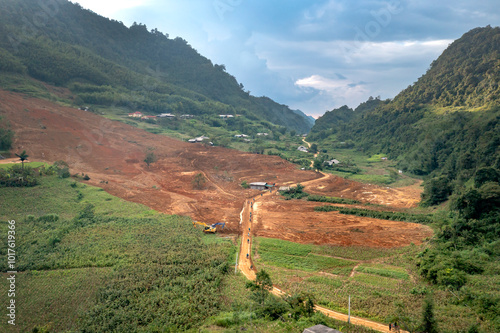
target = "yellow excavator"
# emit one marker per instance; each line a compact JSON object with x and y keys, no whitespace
{"x":209,"y":229}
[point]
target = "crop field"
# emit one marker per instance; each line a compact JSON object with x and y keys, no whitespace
{"x":295,"y":256}
{"x":379,"y":281}
{"x":87,"y":259}
{"x":368,"y":169}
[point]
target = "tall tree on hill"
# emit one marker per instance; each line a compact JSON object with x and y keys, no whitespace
{"x":429,"y":324}
{"x":150,"y":158}
{"x":23,"y":157}
{"x":260,"y":287}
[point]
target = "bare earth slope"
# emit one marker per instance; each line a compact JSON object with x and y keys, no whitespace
{"x":112,"y":154}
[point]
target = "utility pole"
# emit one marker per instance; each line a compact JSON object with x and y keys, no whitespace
{"x":236,"y":264}
{"x":349,"y":311}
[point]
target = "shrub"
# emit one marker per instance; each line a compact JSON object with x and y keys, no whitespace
{"x":199,"y":181}
{"x":48,"y":218}
{"x":17,"y":176}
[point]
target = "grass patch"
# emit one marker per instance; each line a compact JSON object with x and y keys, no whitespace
{"x":322,"y":280}
{"x":376,"y":157}
{"x":354,"y":252}
{"x":291,"y":255}
{"x":53,"y":298}
{"x":65,"y":198}
{"x":383,"y":270}
{"x":376,"y":280}
{"x":155,"y":270}
{"x":31,"y":164}
{"x":283,"y":247}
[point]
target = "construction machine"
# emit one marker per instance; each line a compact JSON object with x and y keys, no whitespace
{"x":209,"y":229}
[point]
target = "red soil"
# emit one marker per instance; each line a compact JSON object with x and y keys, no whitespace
{"x":112,"y":154}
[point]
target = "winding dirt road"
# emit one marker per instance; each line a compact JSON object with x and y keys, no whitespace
{"x":248,"y":214}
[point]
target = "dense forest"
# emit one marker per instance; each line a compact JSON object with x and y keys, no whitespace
{"x":444,"y":128}
{"x":105,"y":63}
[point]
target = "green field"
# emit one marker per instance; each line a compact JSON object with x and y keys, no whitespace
{"x":358,"y":166}
{"x":87,"y":259}
{"x":31,"y":164}
{"x":91,"y":262}
{"x":376,"y":279}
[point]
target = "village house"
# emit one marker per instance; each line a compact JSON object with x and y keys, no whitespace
{"x":199,"y":139}
{"x":332,"y":162}
{"x":136,"y":114}
{"x":303,"y":149}
{"x":225,"y":116}
{"x":166,"y":115}
{"x":148,"y":117}
{"x":261,"y":186}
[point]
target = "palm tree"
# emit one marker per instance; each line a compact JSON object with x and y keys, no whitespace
{"x":23,"y":157}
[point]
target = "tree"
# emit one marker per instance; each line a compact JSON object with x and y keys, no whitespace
{"x":429,"y":324}
{"x":314,"y":148}
{"x":318,"y":164}
{"x":23,"y":157}
{"x":150,"y":158}
{"x":199,"y":181}
{"x":301,"y":304}
{"x":484,"y":175}
{"x":260,"y":287}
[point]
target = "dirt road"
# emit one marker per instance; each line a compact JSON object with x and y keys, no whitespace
{"x":249,"y":214}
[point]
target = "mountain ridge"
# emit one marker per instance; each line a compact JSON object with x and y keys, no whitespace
{"x":429,"y":128}
{"x":63,"y":44}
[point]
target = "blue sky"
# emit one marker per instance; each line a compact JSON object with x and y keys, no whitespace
{"x":313,"y":55}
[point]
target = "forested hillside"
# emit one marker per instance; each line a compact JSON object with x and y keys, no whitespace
{"x":445,"y":128}
{"x":105,"y":63}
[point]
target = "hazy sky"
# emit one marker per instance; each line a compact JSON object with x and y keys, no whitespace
{"x":312,"y":55}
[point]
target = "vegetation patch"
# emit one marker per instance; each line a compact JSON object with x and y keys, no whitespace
{"x":320,"y":198}
{"x":392,"y":216}
{"x":376,"y":280}
{"x":298,"y":256}
{"x":383,"y":270}
{"x":131,"y":269}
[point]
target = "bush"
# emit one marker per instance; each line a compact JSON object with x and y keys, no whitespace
{"x":320,"y":198}
{"x":392,"y":216}
{"x":273,"y":308}
{"x":18,"y":176}
{"x":295,"y":193}
{"x":49,"y":218}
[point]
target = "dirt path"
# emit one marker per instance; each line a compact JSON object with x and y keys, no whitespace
{"x":248,"y":215}
{"x":309,"y":145}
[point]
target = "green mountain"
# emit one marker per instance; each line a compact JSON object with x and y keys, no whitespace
{"x":105,"y":63}
{"x":444,"y":127}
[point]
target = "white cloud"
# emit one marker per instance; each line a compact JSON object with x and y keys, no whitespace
{"x":338,"y":91}
{"x":392,"y":52}
{"x":292,"y":51}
